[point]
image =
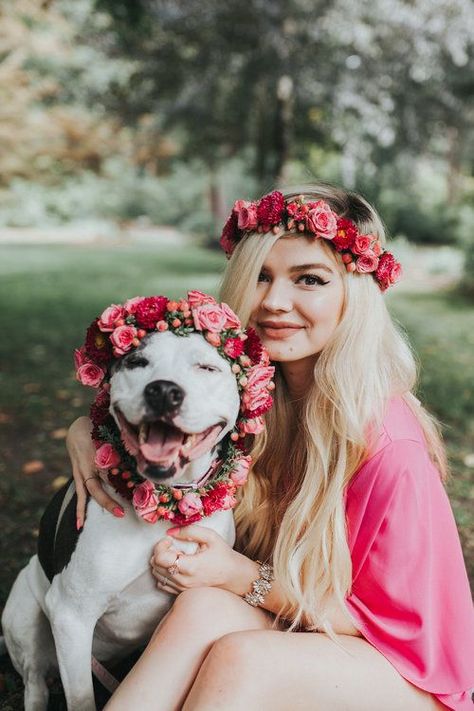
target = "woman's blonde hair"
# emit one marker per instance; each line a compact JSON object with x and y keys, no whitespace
{"x":292,"y":508}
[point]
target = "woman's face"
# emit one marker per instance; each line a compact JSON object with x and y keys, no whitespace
{"x":299,"y":300}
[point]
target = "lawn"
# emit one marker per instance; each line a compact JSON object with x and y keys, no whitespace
{"x":48,"y":296}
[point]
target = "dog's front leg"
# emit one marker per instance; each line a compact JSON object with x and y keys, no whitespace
{"x":73,"y":620}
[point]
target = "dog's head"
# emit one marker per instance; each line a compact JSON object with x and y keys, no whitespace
{"x":173,"y":399}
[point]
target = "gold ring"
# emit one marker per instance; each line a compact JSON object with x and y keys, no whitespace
{"x":173,"y":569}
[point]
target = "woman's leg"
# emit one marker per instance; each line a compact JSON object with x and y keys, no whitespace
{"x":260,"y":670}
{"x":162,"y":677}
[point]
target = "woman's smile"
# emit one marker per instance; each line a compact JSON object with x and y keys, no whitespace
{"x":278,"y":330}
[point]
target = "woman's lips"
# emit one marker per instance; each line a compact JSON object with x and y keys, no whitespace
{"x":278,"y":330}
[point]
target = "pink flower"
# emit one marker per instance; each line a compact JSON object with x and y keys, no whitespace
{"x":198,"y":298}
{"x":362,"y":244}
{"x":122,"y":339}
{"x":145,"y":501}
{"x":111,"y":314}
{"x":80,"y":357}
{"x":389,"y":270}
{"x":190,"y":504}
{"x":253,"y":426}
{"x":246,"y":214}
{"x":234,"y":347}
{"x":209,"y":317}
{"x":232,"y":320}
{"x":257,"y":399}
{"x":321,"y":220}
{"x":131,"y":305}
{"x":240,"y":471}
{"x":90,"y":374}
{"x":367,"y":262}
{"x":258,"y":378}
{"x":106,"y":457}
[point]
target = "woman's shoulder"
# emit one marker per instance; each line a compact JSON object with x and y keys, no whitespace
{"x":397,"y":451}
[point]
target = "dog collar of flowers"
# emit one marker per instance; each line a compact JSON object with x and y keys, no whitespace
{"x":120,"y":329}
{"x":361,"y":253}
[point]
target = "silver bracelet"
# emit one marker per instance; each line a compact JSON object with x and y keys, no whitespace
{"x":261,"y":586}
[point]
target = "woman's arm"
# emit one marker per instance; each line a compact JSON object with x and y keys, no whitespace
{"x":216,"y":564}
{"x":86,"y":476}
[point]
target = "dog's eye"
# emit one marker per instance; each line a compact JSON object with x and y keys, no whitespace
{"x":209,"y":368}
{"x":136,"y":361}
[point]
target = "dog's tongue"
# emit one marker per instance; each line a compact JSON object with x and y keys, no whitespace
{"x":163,"y":443}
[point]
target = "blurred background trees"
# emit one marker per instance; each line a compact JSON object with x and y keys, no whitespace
{"x":170,"y":109}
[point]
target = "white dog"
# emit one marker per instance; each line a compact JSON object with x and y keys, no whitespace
{"x":174,"y":400}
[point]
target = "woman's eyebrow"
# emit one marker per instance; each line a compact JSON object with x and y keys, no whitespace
{"x":303,"y":267}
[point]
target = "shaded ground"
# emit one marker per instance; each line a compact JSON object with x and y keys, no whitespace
{"x":48,"y":296}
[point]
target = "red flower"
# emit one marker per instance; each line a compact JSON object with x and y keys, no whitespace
{"x":264,"y":407}
{"x":150,"y":310}
{"x":97,"y":345}
{"x":388,"y":271}
{"x":270,"y":209}
{"x":180,"y":520}
{"x":221,"y":497}
{"x":99,"y":410}
{"x":230,"y":234}
{"x":297,"y":211}
{"x":234,"y":347}
{"x":345,"y":235}
{"x":253,"y":346}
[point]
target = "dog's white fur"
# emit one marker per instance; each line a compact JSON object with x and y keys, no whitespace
{"x":105,"y":601}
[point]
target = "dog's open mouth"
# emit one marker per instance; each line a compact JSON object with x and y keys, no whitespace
{"x":163,"y":446}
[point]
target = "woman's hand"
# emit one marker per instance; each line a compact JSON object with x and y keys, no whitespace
{"x":86,"y":475}
{"x":214,"y":564}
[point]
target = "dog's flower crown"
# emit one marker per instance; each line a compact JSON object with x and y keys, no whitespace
{"x":360,"y":252}
{"x":120,"y":329}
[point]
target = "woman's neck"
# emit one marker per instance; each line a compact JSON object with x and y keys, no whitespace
{"x":298,"y":376}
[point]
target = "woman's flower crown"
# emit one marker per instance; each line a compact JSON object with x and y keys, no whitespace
{"x":360,"y":252}
{"x":120,"y":329}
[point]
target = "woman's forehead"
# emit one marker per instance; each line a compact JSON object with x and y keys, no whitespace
{"x":295,"y":250}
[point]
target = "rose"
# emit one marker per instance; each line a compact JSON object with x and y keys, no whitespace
{"x":106,"y":457}
{"x":122,"y":339}
{"x":362,"y":244}
{"x":240,"y":471}
{"x":377,"y":248}
{"x":321,"y":220}
{"x":198,"y":298}
{"x":367,"y":262}
{"x":232,"y":320}
{"x":90,"y":374}
{"x":388,"y":271}
{"x":145,"y":501}
{"x":97,"y":345}
{"x":253,"y":426}
{"x":112,"y":313}
{"x":234,"y":347}
{"x":190,"y":504}
{"x":209,"y":317}
{"x":246,"y":214}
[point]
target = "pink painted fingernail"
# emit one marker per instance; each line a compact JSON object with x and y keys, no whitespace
{"x":118,"y":512}
{"x":172,"y":531}
{"x":78,"y":523}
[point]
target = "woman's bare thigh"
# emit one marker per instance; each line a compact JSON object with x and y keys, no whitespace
{"x":281,"y":670}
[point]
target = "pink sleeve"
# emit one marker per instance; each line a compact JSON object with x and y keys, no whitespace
{"x":410,"y":595}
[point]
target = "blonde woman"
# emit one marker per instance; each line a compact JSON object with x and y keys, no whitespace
{"x":368,"y":606}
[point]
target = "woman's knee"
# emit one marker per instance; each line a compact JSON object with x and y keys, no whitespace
{"x":239,"y":654}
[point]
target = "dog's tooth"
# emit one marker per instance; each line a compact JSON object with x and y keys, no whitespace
{"x":142,"y":433}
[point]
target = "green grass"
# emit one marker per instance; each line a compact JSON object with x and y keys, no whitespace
{"x":48,"y":296}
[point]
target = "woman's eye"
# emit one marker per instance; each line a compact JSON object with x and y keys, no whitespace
{"x":312,"y":280}
{"x":263,"y":277}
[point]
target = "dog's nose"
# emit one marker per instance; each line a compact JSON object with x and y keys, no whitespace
{"x":163,"y":396}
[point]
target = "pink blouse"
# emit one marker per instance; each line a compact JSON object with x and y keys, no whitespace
{"x":410,"y":594}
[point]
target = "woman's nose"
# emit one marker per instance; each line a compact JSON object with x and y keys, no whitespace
{"x":277,"y":298}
